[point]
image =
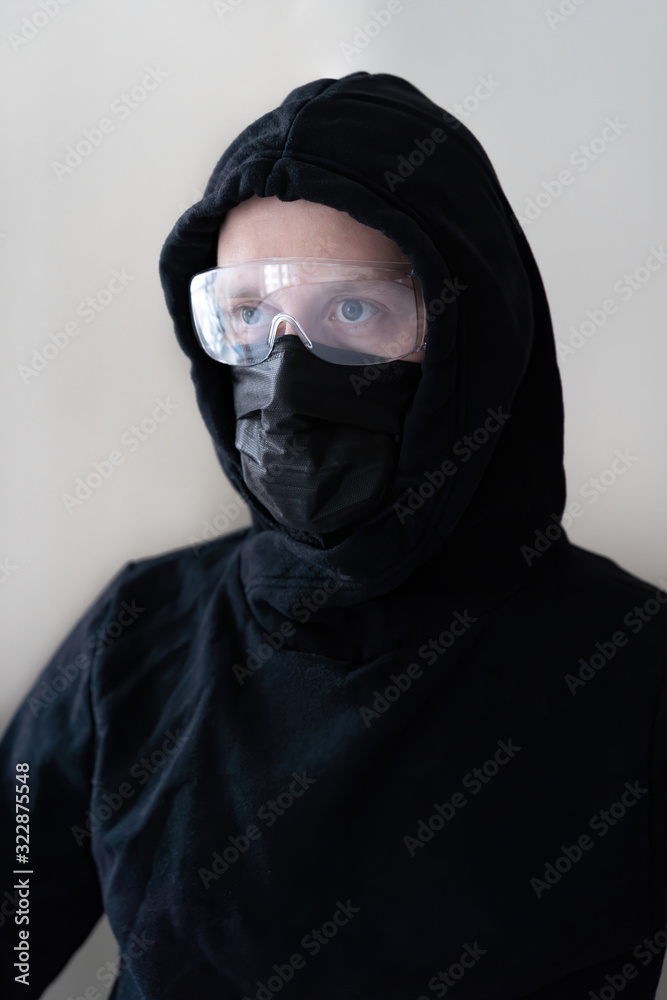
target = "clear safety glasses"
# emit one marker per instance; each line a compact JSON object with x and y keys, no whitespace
{"x":346,"y":312}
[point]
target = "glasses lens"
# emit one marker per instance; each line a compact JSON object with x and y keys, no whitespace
{"x":214,"y":323}
{"x":352,"y":314}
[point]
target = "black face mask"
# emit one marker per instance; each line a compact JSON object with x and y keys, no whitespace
{"x":319,"y":441}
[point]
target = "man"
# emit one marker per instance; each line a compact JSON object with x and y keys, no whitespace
{"x":399,"y":735}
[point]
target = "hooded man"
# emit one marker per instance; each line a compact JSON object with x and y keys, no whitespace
{"x":399,"y":735}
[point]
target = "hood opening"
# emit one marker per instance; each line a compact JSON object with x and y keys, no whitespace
{"x":480,"y":468}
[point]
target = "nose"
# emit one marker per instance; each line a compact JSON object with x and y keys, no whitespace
{"x":284,"y":323}
{"x":284,"y":326}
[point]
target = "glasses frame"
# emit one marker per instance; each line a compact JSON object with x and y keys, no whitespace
{"x":283,"y":317}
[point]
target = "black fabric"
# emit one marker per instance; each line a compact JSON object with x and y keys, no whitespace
{"x":318,"y":441}
{"x":429,"y":758}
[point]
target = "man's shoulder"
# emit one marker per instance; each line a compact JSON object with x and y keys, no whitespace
{"x":591,"y":593}
{"x":189,"y":558}
{"x":593,"y":574}
{"x":184,"y":575}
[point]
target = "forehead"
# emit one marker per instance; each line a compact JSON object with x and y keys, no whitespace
{"x":268,"y":227}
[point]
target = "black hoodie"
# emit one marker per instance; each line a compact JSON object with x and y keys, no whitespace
{"x":429,"y":756}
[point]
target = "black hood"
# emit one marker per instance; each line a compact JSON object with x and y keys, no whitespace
{"x":375,"y":147}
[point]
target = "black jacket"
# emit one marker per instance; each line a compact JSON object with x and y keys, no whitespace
{"x":429,"y":757}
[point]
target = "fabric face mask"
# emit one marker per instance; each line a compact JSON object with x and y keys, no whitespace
{"x":319,"y":441}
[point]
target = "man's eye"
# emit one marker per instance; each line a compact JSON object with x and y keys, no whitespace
{"x":250,"y":315}
{"x":354,"y":311}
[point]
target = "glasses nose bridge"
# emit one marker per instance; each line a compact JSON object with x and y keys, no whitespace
{"x":286,"y":319}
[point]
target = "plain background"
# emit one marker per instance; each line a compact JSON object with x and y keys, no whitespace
{"x":555,"y":79}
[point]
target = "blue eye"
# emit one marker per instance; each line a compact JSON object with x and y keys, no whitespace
{"x":248,"y":321}
{"x":250,"y":315}
{"x":354,"y":311}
